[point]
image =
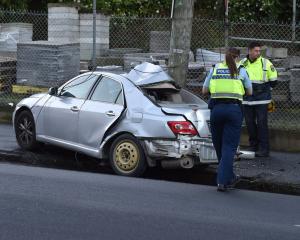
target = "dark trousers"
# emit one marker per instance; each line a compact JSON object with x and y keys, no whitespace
{"x":256,"y":117}
{"x":226,"y":121}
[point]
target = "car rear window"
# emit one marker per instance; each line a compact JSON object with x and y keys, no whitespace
{"x":174,"y":96}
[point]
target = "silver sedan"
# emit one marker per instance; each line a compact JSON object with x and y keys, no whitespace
{"x":134,"y":121}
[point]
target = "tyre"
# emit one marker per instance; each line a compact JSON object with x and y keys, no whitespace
{"x":25,"y":131}
{"x":127,"y":157}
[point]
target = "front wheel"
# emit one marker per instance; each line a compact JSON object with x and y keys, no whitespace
{"x":25,"y":131}
{"x":127,"y":156}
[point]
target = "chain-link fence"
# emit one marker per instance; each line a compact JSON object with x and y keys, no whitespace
{"x":39,"y":50}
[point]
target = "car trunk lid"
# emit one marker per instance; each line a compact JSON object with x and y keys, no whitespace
{"x":199,"y":115}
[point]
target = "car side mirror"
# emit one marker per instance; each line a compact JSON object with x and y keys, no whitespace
{"x":53,"y":91}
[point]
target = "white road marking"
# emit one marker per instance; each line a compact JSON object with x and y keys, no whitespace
{"x":297,"y":225}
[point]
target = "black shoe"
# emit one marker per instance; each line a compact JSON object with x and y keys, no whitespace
{"x":222,"y":188}
{"x":261,"y":154}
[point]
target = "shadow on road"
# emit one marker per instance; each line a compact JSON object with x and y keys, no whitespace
{"x":54,"y":157}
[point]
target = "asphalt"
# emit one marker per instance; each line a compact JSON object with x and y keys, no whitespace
{"x":279,"y":173}
{"x":7,"y":138}
{"x":42,"y":203}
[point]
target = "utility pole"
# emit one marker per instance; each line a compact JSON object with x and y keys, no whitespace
{"x":180,"y":43}
{"x":94,"y":35}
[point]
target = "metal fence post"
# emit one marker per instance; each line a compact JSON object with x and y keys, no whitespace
{"x":226,"y":33}
{"x":294,"y":21}
{"x":94,"y":35}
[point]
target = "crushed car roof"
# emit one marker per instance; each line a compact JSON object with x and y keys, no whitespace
{"x":148,"y":74}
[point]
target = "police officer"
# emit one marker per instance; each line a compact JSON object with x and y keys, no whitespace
{"x":263,"y":76}
{"x":226,"y":84}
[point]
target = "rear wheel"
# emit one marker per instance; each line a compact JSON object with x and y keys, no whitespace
{"x":127,"y":156}
{"x":25,"y":130}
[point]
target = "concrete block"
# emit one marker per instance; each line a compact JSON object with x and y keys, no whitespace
{"x":47,"y":63}
{"x":276,"y":52}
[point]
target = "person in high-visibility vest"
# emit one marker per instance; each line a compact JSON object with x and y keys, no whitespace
{"x":227,"y":84}
{"x":263,"y":76}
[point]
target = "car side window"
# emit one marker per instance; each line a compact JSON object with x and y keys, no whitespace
{"x":108,"y":90}
{"x":80,"y":87}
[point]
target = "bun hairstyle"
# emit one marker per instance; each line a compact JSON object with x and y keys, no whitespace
{"x":231,"y":55}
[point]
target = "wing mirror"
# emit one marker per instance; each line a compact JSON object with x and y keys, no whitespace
{"x":53,"y":91}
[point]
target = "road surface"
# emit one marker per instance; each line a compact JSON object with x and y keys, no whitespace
{"x":43,"y":203}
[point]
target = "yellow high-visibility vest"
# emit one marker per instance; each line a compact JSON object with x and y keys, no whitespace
{"x":222,"y":85}
{"x":260,"y":71}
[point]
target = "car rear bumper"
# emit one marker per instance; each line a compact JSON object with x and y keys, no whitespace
{"x":199,"y":150}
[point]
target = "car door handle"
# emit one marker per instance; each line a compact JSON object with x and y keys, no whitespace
{"x":110,"y":113}
{"x":74,"y":109}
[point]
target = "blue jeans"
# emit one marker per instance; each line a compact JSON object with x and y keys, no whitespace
{"x":226,"y":122}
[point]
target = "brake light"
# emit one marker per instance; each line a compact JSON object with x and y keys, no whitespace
{"x":182,"y":127}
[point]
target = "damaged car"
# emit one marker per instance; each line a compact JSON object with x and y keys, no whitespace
{"x":134,"y":121}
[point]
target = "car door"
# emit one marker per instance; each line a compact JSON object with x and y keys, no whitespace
{"x":60,"y":113}
{"x":100,"y":111}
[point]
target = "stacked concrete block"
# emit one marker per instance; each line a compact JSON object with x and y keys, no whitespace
{"x":111,"y":69}
{"x":86,"y":35}
{"x":44,"y":63}
{"x":288,"y":87}
{"x":7,"y":73}
{"x":222,"y":50}
{"x":160,"y":41}
{"x":195,"y":71}
{"x":131,"y":60}
{"x":109,"y":60}
{"x":281,"y":92}
{"x":120,"y":52}
{"x":295,"y":85}
{"x":276,"y":52}
{"x":84,"y":65}
{"x":63,"y":23}
{"x":280,"y":62}
{"x":208,"y":58}
{"x":13,"y":33}
{"x":115,"y":56}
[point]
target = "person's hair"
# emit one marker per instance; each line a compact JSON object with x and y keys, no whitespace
{"x":231,"y":55}
{"x":253,"y":45}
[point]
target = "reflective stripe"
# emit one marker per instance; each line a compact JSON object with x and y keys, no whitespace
{"x":227,"y":95}
{"x":256,"y":102}
{"x":273,"y":79}
{"x":223,"y":77}
{"x":264,"y":69}
{"x":258,"y":81}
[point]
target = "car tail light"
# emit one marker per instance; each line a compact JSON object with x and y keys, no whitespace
{"x":182,"y":127}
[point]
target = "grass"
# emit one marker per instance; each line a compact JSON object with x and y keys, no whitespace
{"x":20,"y":89}
{"x":9,"y":100}
{"x":6,"y":114}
